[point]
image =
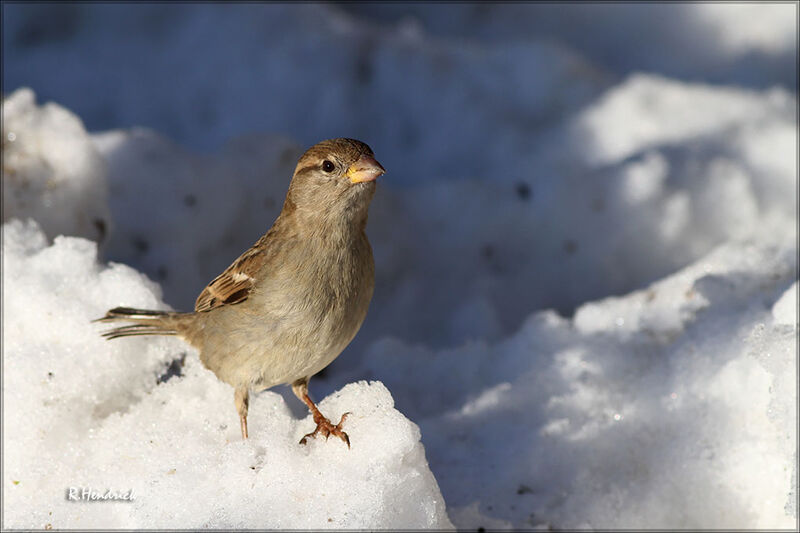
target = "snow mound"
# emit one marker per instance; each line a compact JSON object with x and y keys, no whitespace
{"x":745,"y":28}
{"x":82,"y":413}
{"x":51,"y":171}
{"x":673,"y":405}
{"x":648,"y":110}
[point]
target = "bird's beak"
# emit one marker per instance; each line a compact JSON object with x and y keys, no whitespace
{"x":365,"y":169}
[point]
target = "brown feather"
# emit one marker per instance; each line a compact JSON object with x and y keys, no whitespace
{"x":234,"y":285}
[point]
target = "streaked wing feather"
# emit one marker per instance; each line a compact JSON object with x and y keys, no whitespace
{"x":233,"y":286}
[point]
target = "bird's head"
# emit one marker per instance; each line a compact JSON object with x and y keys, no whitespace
{"x":334,"y":179}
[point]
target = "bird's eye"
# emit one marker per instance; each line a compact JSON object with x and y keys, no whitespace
{"x":327,"y":166}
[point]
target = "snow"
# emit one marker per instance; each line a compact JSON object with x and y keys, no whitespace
{"x":769,"y":30}
{"x":629,"y":414}
{"x":84,"y":413}
{"x":785,"y":309}
{"x":585,"y":312}
{"x":50,"y":171}
{"x":742,"y":44}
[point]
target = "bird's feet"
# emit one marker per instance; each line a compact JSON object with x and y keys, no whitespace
{"x":326,"y":428}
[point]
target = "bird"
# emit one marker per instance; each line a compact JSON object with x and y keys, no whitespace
{"x":291,"y":303}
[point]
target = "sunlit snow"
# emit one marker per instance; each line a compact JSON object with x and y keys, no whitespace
{"x":585,"y":312}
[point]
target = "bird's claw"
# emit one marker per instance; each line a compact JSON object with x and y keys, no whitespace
{"x":326,"y":428}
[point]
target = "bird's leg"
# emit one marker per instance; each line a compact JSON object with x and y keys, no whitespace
{"x":324,"y":426}
{"x":241,"y":397}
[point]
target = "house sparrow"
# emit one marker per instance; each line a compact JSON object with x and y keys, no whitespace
{"x":288,"y":306}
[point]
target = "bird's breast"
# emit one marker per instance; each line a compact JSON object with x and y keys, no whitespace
{"x":300,"y":316}
{"x":323,"y":289}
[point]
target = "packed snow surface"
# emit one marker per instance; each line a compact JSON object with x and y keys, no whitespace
{"x":585,"y":312}
{"x":86,"y":414}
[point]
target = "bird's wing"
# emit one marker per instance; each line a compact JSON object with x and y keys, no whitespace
{"x":235,"y":283}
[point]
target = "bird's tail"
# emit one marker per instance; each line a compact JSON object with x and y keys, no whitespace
{"x":145,"y":322}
